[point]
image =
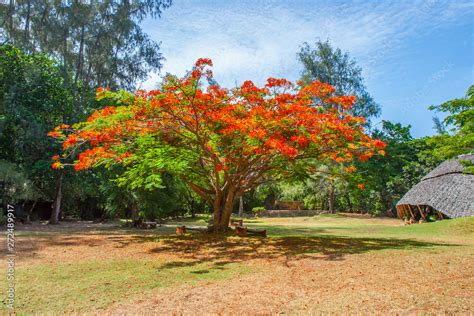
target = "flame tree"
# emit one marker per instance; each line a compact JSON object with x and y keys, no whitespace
{"x":220,"y":142}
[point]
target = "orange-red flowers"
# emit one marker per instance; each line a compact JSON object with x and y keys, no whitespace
{"x":247,"y":129}
{"x":203,"y":61}
{"x":56,"y":165}
{"x":366,"y":156}
{"x":379,"y":144}
{"x":361,"y":186}
{"x":70,"y":140}
{"x":350,"y":169}
{"x":258,"y":133}
{"x":272,"y":82}
{"x":54,"y":134}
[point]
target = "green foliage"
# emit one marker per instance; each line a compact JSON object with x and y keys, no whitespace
{"x":330,"y":65}
{"x":387,"y":178}
{"x":256,"y":210}
{"x":14,"y":184}
{"x":155,"y":156}
{"x":100,"y":42}
{"x":171,"y":198}
{"x":163,"y":202}
{"x":3,"y":218}
{"x":33,"y":99}
{"x":291,"y":191}
{"x":457,"y":134}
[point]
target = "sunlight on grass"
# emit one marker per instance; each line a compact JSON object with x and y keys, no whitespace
{"x":449,"y":230}
{"x":93,"y":284}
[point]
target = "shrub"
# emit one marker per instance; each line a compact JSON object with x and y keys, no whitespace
{"x":257,"y":210}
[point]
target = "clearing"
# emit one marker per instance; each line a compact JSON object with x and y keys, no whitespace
{"x":326,"y":263}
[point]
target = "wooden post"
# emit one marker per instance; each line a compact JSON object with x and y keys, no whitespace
{"x":409,"y":208}
{"x":440,"y":215}
{"x":180,"y":230}
{"x":398,"y":212}
{"x":421,"y":212}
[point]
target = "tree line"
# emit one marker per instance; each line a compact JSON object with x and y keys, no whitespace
{"x":54,"y":56}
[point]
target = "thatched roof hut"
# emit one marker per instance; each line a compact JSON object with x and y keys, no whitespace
{"x":447,"y":189}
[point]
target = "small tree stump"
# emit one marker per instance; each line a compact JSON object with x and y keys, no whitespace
{"x":180,"y":230}
{"x":241,"y":231}
{"x":146,"y":225}
{"x":262,"y":233}
{"x":236,"y":222}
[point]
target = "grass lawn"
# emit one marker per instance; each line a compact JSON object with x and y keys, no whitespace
{"x":327,"y":263}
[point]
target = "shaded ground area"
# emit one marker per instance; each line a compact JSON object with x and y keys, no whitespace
{"x":307,"y":265}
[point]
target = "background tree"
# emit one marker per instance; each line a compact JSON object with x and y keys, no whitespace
{"x":220,"y":142}
{"x":139,"y":204}
{"x":15,"y":186}
{"x":94,"y":43}
{"x":376,"y":185}
{"x":98,"y":43}
{"x":330,"y":65}
{"x":385,"y":180}
{"x":457,"y":128}
{"x":33,"y":100}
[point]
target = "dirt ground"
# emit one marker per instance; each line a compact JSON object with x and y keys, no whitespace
{"x":321,"y":286}
{"x":296,"y":274}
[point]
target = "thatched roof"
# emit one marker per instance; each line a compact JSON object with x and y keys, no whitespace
{"x":447,"y":188}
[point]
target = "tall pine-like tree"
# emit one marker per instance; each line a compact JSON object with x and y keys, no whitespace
{"x":330,"y":65}
{"x":100,"y":43}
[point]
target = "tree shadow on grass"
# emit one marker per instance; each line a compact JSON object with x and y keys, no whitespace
{"x":223,"y":250}
{"x":220,"y":250}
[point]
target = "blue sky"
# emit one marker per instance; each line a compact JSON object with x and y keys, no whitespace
{"x":413,"y":53}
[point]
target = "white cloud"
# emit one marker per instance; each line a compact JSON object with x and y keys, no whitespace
{"x":257,"y":39}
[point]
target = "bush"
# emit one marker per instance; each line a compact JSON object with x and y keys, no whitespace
{"x":257,"y":210}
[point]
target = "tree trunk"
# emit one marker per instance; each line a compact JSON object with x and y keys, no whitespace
{"x":27,"y":27}
{"x":57,"y":201}
{"x":135,"y":218}
{"x":10,"y":14}
{"x":241,"y":206}
{"x":222,"y":213}
{"x":331,"y":199}
{"x":29,"y":212}
{"x":80,"y":57}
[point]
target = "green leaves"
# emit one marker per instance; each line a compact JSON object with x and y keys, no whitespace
{"x":33,"y":100}
{"x":151,"y":159}
{"x":460,"y":123}
{"x":99,"y":42}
